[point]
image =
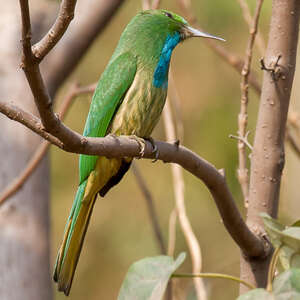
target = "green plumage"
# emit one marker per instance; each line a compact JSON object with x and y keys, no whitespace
{"x":128,"y":100}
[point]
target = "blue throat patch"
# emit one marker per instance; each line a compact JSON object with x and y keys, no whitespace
{"x":160,"y":79}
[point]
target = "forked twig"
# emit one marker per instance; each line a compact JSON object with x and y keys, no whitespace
{"x":42,"y":149}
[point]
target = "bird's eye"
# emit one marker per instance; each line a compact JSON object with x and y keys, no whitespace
{"x":168,"y":14}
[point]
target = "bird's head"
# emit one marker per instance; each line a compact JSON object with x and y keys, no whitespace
{"x":173,"y":23}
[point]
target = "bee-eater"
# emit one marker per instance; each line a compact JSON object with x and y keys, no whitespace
{"x":128,"y":100}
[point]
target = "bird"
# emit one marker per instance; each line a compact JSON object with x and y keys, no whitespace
{"x":128,"y":100}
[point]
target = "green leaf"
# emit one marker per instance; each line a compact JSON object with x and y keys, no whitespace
{"x":291,"y":237}
{"x":285,"y":257}
{"x":296,"y":224}
{"x":147,"y":279}
{"x":274,"y":229}
{"x":286,"y":237}
{"x":257,"y":294}
{"x":287,"y":285}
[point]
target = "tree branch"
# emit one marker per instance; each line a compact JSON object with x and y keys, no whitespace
{"x":41,"y":151}
{"x":29,"y":120}
{"x":267,"y":160}
{"x":229,"y":57}
{"x":268,"y":149}
{"x":242,"y":171}
{"x":88,"y":24}
{"x":65,"y":16}
{"x":113,"y":146}
{"x":249,"y":20}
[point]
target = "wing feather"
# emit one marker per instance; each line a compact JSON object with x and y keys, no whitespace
{"x":109,"y":94}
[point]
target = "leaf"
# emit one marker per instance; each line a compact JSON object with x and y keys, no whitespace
{"x":287,"y":285}
{"x":286,"y":237}
{"x":257,"y":294}
{"x":147,"y":279}
{"x":291,"y":237}
{"x":296,"y":224}
{"x":285,"y":257}
{"x":273,"y":228}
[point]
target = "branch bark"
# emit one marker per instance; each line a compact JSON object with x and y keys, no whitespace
{"x":65,"y":16}
{"x":41,"y":151}
{"x":242,"y":171}
{"x":112,"y":146}
{"x":268,"y":149}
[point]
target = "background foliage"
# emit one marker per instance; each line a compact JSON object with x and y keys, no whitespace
{"x":120,"y":232}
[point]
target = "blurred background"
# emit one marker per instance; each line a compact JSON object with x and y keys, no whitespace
{"x":120,"y":232}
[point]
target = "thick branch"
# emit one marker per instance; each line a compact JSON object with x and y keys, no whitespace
{"x":267,"y":159}
{"x":112,"y":146}
{"x":41,"y":151}
{"x":268,"y":149}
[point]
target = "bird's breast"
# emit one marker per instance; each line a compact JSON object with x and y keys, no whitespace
{"x":141,"y":108}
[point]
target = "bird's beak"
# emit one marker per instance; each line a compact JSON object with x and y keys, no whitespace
{"x":192,"y":32}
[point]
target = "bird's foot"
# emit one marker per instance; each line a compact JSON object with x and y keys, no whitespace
{"x":155,"y":150}
{"x":141,"y":143}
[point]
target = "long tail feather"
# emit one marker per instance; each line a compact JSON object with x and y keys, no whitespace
{"x":75,"y":231}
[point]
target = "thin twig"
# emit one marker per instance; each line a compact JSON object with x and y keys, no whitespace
{"x":185,"y":225}
{"x":41,"y":151}
{"x":146,"y":4}
{"x":65,"y":16}
{"x":229,"y":57}
{"x":179,"y":134}
{"x":155,"y":4}
{"x":19,"y":181}
{"x":242,"y":171}
{"x":172,"y":232}
{"x":249,"y":20}
{"x":242,"y":139}
{"x":151,"y":208}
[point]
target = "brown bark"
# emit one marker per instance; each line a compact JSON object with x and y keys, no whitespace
{"x":268,"y":151}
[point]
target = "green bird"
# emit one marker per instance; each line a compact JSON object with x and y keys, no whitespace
{"x":128,"y":100}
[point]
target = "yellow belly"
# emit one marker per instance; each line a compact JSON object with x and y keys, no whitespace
{"x":140,"y":110}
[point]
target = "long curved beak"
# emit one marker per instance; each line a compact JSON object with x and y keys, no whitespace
{"x":197,"y":33}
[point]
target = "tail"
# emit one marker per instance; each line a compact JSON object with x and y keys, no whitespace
{"x":75,"y":231}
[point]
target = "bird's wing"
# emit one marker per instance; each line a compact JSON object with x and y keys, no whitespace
{"x":111,"y":89}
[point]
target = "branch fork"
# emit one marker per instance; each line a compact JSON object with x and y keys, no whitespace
{"x":274,"y":69}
